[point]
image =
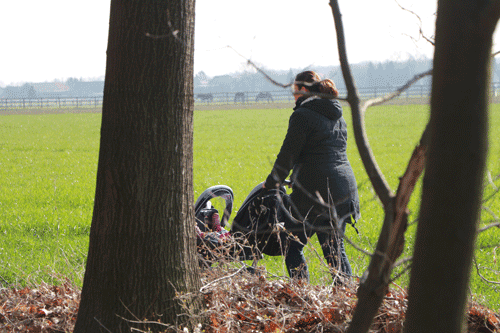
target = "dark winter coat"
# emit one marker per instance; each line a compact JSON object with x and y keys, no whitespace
{"x":315,"y":149}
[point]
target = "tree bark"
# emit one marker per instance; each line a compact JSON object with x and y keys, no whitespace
{"x":142,"y":249}
{"x":452,"y":185}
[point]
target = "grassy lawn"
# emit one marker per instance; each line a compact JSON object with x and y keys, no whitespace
{"x":48,"y":166}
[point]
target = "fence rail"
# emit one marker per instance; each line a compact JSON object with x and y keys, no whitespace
{"x":219,"y":98}
{"x":285,"y":96}
{"x":50,"y":102}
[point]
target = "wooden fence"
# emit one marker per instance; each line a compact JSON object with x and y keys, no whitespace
{"x":50,"y":102}
{"x":208,"y":98}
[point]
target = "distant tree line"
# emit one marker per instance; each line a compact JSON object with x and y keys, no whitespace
{"x":72,"y":87}
{"x":367,"y":75}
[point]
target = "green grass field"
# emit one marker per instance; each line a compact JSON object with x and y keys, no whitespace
{"x":48,"y":166}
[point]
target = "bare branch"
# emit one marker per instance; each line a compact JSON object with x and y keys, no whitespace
{"x":100,"y":324}
{"x":403,"y":272}
{"x":491,"y":196}
{"x":330,"y":206}
{"x":402,"y":261}
{"x":492,"y":213}
{"x":284,"y":86}
{"x":251,"y":63}
{"x":171,"y":33}
{"x":491,"y":181}
{"x":376,"y":279}
{"x":390,"y":245}
{"x":376,"y":177}
{"x":406,"y":186}
{"x":388,"y":97}
{"x":489,"y":226}
{"x":429,"y":40}
{"x":223,"y":278}
{"x":481,"y":276}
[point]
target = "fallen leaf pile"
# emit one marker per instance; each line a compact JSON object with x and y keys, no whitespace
{"x":250,"y":303}
{"x":43,"y":309}
{"x":240,"y":302}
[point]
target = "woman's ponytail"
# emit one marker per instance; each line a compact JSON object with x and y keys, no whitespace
{"x":328,"y":87}
{"x":313,"y":83}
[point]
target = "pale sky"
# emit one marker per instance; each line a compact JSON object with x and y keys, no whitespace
{"x":56,"y":39}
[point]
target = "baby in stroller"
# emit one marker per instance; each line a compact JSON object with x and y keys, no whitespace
{"x":257,"y":228}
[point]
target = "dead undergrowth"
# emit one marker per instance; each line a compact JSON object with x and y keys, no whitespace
{"x":236,"y":301}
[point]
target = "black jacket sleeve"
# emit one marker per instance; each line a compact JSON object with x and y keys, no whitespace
{"x":291,"y":148}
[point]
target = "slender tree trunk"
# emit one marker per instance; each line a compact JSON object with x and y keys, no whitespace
{"x":455,"y":166}
{"x":142,"y":245}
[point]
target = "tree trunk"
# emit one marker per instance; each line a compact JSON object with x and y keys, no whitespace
{"x":452,"y":185}
{"x":142,"y":249}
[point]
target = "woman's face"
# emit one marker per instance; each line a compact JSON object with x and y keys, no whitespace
{"x":296,"y":92}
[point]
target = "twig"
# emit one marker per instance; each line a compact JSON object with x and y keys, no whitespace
{"x":270,"y":79}
{"x":388,"y":97}
{"x":406,"y":269}
{"x":488,"y":209}
{"x":481,"y":276}
{"x":391,"y":240}
{"x":330,"y":207}
{"x":102,"y":325}
{"x":402,"y":261}
{"x":250,"y":62}
{"x":490,"y":180}
{"x":145,"y":322}
{"x":419,"y":25}
{"x":172,"y":32}
{"x":223,"y":278}
{"x":491,"y":196}
{"x":6,"y":283}
{"x":492,"y":225}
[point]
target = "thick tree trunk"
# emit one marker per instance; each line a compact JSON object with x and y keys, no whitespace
{"x":455,"y":166}
{"x":142,"y":245}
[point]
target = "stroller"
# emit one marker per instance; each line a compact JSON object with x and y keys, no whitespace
{"x":257,"y":228}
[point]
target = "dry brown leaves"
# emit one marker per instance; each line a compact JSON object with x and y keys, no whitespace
{"x":252,"y":303}
{"x":44,"y":309}
{"x":241,"y":302}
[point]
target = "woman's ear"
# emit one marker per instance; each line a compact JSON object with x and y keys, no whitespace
{"x":304,"y":89}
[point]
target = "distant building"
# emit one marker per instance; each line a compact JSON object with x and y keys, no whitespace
{"x":87,"y":89}
{"x":73,"y":88}
{"x":51,"y":89}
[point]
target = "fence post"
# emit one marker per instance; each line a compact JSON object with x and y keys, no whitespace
{"x":77,"y":102}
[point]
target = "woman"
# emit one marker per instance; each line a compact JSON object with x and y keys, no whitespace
{"x":315,"y":149}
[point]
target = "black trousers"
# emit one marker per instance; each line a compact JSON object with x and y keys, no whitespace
{"x":331,"y":243}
